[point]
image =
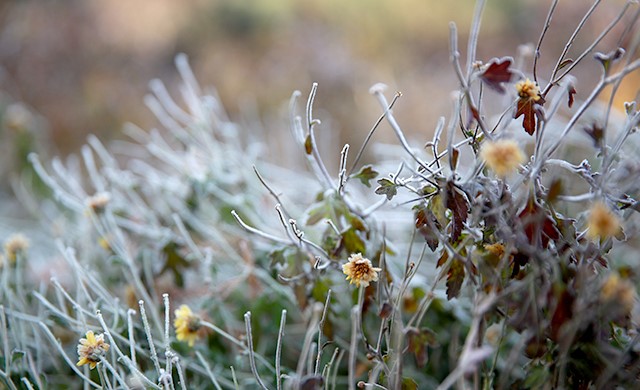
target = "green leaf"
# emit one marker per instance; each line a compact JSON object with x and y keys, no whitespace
{"x":409,"y":384}
{"x":537,"y":377}
{"x":387,"y":188}
{"x":357,"y":223}
{"x":278,"y":257}
{"x":316,"y":213}
{"x":175,"y":262}
{"x":352,"y":242}
{"x":437,"y":206}
{"x":365,"y":175}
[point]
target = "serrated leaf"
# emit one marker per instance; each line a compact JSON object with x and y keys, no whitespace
{"x":443,"y":258}
{"x":526,"y":107}
{"x":387,"y":188}
{"x":365,"y":175}
{"x":457,"y":203}
{"x":455,"y":277}
{"x":497,"y":73}
{"x":426,"y":223}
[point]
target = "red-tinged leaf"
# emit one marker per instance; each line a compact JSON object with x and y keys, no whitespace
{"x":312,"y":382}
{"x":525,"y":107}
{"x":418,"y":341}
{"x":572,"y":92}
{"x":555,"y":189}
{"x":443,"y":258}
{"x":426,"y":223}
{"x":455,"y":154}
{"x":497,"y":73}
{"x":473,"y":114}
{"x":457,"y":203}
{"x":455,"y":277}
{"x":562,"y":314}
{"x":538,"y":225}
{"x":385,"y":310}
{"x":596,"y":133}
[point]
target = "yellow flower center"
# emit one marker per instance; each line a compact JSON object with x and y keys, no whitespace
{"x":527,"y":89}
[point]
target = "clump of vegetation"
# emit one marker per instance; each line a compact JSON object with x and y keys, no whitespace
{"x":496,"y":256}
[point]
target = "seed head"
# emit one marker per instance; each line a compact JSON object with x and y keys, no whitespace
{"x":360,"y":271}
{"x":502,"y":157}
{"x":602,"y":222}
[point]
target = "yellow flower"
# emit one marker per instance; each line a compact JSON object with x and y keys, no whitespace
{"x":360,"y":271}
{"x":503,"y":156}
{"x":91,"y":349}
{"x":602,"y":222}
{"x":187,"y":325}
{"x":528,"y":90}
{"x":14,"y":245}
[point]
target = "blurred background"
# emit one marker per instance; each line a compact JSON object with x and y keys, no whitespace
{"x":73,"y":67}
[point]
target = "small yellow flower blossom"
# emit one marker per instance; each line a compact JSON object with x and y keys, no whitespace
{"x":528,"y":90}
{"x":619,"y":290}
{"x":91,"y":349}
{"x":360,"y":271}
{"x":503,"y":156}
{"x":14,"y":245}
{"x":602,"y":222}
{"x":187,"y":325}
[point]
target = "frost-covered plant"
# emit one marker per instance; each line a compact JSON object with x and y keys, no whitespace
{"x":496,"y":256}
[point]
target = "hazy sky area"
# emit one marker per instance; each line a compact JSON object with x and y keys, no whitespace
{"x":84,"y":66}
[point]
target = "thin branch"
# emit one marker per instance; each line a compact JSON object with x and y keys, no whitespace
{"x":547,"y":24}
